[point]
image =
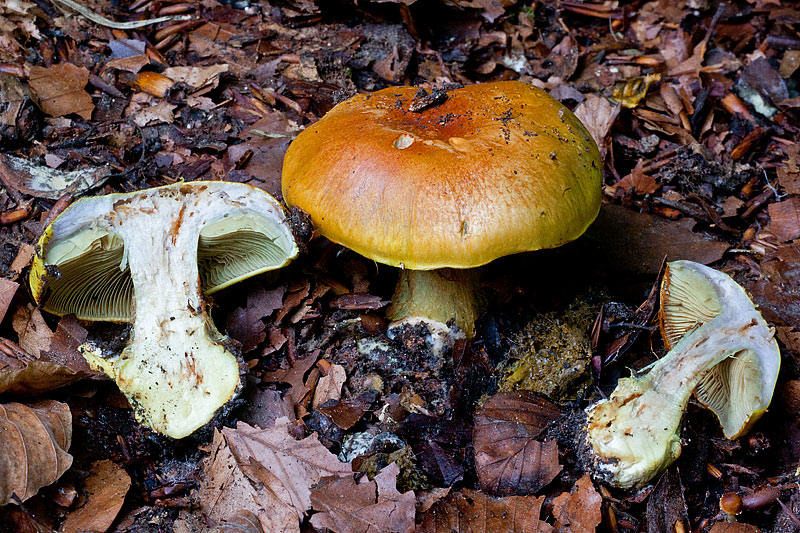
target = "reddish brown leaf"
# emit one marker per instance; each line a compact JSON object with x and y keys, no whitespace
{"x":638,"y":242}
{"x":7,"y":291}
{"x":509,"y":459}
{"x":733,"y":527}
{"x":578,"y":511}
{"x":785,"y":218}
{"x":33,"y":439}
{"x":365,"y":506}
{"x":106,"y":487}
{"x":60,"y":90}
{"x":473,"y":511}
{"x":294,"y":376}
{"x":346,"y":413}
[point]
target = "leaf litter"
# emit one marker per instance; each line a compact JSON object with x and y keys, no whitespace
{"x":694,"y":105}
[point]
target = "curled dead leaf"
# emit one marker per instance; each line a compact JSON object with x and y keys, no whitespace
{"x":34,"y":440}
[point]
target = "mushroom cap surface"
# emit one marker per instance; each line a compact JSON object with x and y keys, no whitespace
{"x":492,"y":170}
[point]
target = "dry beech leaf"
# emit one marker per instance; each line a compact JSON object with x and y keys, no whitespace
{"x":60,"y":90}
{"x":7,"y":291}
{"x":578,"y":511}
{"x":34,"y":440}
{"x":598,"y":114}
{"x":294,"y":376}
{"x":638,"y":242}
{"x":106,"y":487}
{"x":474,"y":511}
{"x":266,"y":472}
{"x":365,"y":506}
{"x":329,"y":387}
{"x":785,"y":218}
{"x":508,"y":458}
{"x":35,"y":335}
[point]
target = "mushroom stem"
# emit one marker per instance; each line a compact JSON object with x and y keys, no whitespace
{"x":174,"y":393}
{"x":633,"y":435}
{"x":437,"y":295}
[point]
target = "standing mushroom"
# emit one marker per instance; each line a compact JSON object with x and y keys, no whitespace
{"x":445,"y":182}
{"x":723,"y":350}
{"x":146,"y":257}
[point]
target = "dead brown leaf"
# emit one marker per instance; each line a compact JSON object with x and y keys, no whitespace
{"x":329,"y":387}
{"x":473,"y":511}
{"x":347,"y":412}
{"x":246,"y":324}
{"x":733,"y":527}
{"x":597,"y":114}
{"x":20,"y":375}
{"x":7,"y":291}
{"x":666,"y":507}
{"x":367,"y":506}
{"x":225,"y":490}
{"x":35,"y":335}
{"x":509,"y":460}
{"x":267,"y":472}
{"x":578,"y":511}
{"x":33,"y":439}
{"x":638,"y":242}
{"x":785,"y":218}
{"x":60,"y":89}
{"x":106,"y":487}
{"x":294,"y":376}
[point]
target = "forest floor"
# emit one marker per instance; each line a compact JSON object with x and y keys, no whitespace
{"x":695,"y":107}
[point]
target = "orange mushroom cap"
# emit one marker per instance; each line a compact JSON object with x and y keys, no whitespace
{"x":492,"y":170}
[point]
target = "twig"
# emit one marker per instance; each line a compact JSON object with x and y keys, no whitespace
{"x":99,"y":19}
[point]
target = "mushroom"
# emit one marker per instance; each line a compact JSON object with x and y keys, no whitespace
{"x":146,"y":257}
{"x":721,"y":349}
{"x":438,"y":184}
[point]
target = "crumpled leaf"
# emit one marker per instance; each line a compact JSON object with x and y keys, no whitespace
{"x":473,"y":511}
{"x":329,"y":387}
{"x":60,"y":89}
{"x":34,"y":440}
{"x":367,"y":506}
{"x":733,"y":527}
{"x":7,"y":291}
{"x":267,"y":472}
{"x":578,"y":511}
{"x":597,"y":114}
{"x":106,"y":487}
{"x":35,"y":336}
{"x":509,"y":460}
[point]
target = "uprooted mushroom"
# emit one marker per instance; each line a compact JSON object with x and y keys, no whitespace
{"x":147,"y":258}
{"x":722,"y":350}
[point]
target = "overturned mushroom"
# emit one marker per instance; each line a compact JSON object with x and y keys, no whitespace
{"x":146,"y":257}
{"x":723,"y":351}
{"x":443,"y":183}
